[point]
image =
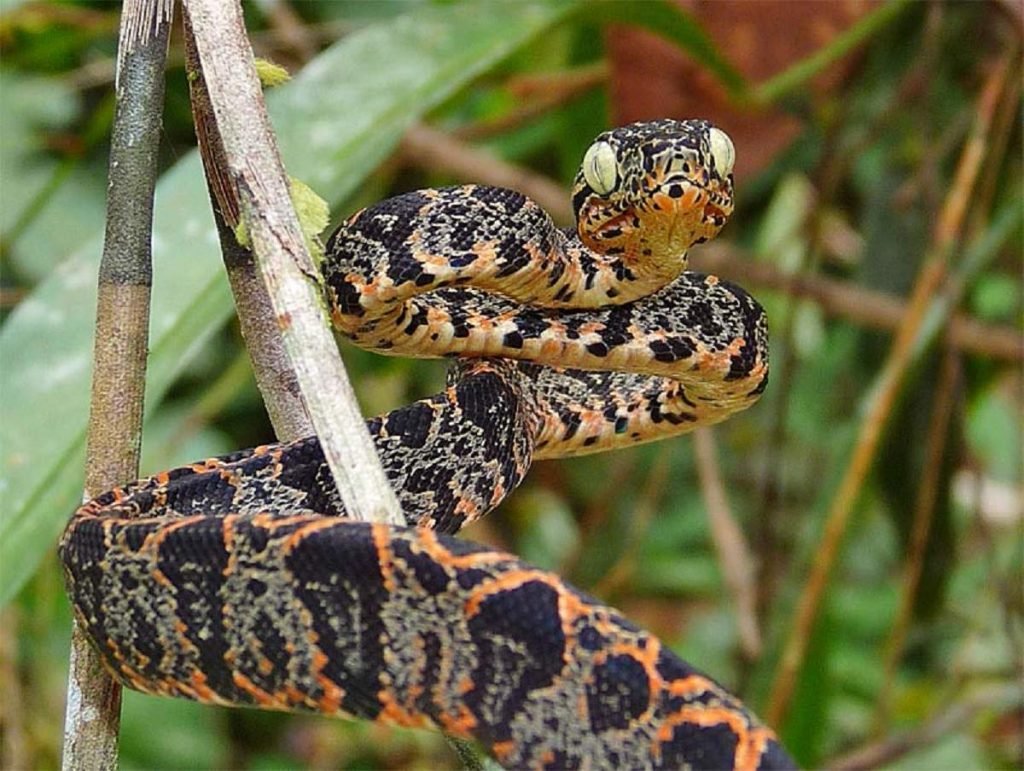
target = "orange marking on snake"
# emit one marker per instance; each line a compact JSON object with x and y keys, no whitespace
{"x":381,"y":535}
{"x":432,"y":546}
{"x":395,"y":713}
{"x":691,"y":685}
{"x":155,"y":539}
{"x":752,"y":746}
{"x":309,"y":526}
{"x":333,"y":694}
{"x":263,"y":698}
{"x":503,"y":750}
{"x":461,"y":724}
{"x":201,"y":690}
{"x":707,"y":716}
{"x":507,"y":581}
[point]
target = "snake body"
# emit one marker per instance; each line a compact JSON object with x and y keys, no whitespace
{"x":237,"y":580}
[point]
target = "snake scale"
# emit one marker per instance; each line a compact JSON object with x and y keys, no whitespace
{"x":238,"y":581}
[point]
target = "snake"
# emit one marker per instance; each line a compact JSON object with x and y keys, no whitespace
{"x":239,"y":580}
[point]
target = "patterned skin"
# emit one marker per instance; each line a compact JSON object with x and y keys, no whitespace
{"x":238,"y":580}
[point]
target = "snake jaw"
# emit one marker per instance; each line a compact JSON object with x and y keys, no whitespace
{"x":607,"y":233}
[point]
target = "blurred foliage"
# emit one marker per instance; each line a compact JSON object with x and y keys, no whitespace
{"x":854,"y":198}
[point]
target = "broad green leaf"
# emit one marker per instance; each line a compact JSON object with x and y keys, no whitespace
{"x":47,"y":202}
{"x":336,"y":121}
{"x":189,"y":737}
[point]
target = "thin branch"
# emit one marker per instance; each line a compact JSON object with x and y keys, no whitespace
{"x":624,"y":567}
{"x":883,"y":398}
{"x":537,"y":94}
{"x":257,"y":177}
{"x":275,"y":378}
{"x":924,"y":509}
{"x":733,"y":553}
{"x":13,"y":748}
{"x":950,"y":720}
{"x":122,"y":329}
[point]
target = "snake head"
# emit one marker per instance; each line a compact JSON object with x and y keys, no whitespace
{"x":648,"y":191}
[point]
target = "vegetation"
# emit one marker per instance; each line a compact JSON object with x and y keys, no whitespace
{"x":873,"y":608}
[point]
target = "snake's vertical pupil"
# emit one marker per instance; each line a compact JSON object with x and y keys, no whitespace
{"x":601,"y":168}
{"x":722,"y":151}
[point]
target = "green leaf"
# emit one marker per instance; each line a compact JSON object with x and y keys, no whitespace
{"x":336,"y":121}
{"x":47,"y":202}
{"x":190,"y":736}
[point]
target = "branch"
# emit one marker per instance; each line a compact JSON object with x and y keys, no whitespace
{"x":257,"y":179}
{"x":119,"y":357}
{"x":733,"y":553}
{"x":429,"y":148}
{"x":275,"y":378}
{"x":924,"y":511}
{"x":950,"y":720}
{"x":865,"y":307}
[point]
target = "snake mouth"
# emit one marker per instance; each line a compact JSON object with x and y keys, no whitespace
{"x":716,"y":213}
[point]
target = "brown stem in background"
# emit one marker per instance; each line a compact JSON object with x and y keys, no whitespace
{"x":865,"y":307}
{"x":924,"y":510}
{"x":432,"y":149}
{"x":733,"y":553}
{"x":122,"y":330}
{"x":13,"y":748}
{"x":292,"y":31}
{"x":541,"y":93}
{"x":621,"y":571}
{"x":882,"y":400}
{"x":950,"y":720}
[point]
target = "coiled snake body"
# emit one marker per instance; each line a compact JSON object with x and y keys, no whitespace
{"x":238,"y":581}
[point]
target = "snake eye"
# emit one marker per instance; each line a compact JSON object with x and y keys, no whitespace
{"x":722,"y":151}
{"x":601,"y":168}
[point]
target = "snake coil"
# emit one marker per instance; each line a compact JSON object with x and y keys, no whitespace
{"x":238,"y":580}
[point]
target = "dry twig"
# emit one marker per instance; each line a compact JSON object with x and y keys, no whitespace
{"x":432,"y":149}
{"x":538,"y":94}
{"x":948,"y":721}
{"x":924,"y":509}
{"x":257,"y":178}
{"x":621,"y":571}
{"x":275,"y":377}
{"x":733,"y":552}
{"x":122,"y":329}
{"x":865,"y":307}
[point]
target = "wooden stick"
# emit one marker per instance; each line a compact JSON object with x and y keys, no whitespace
{"x":114,"y":438}
{"x":734,"y":556}
{"x":258,"y":179}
